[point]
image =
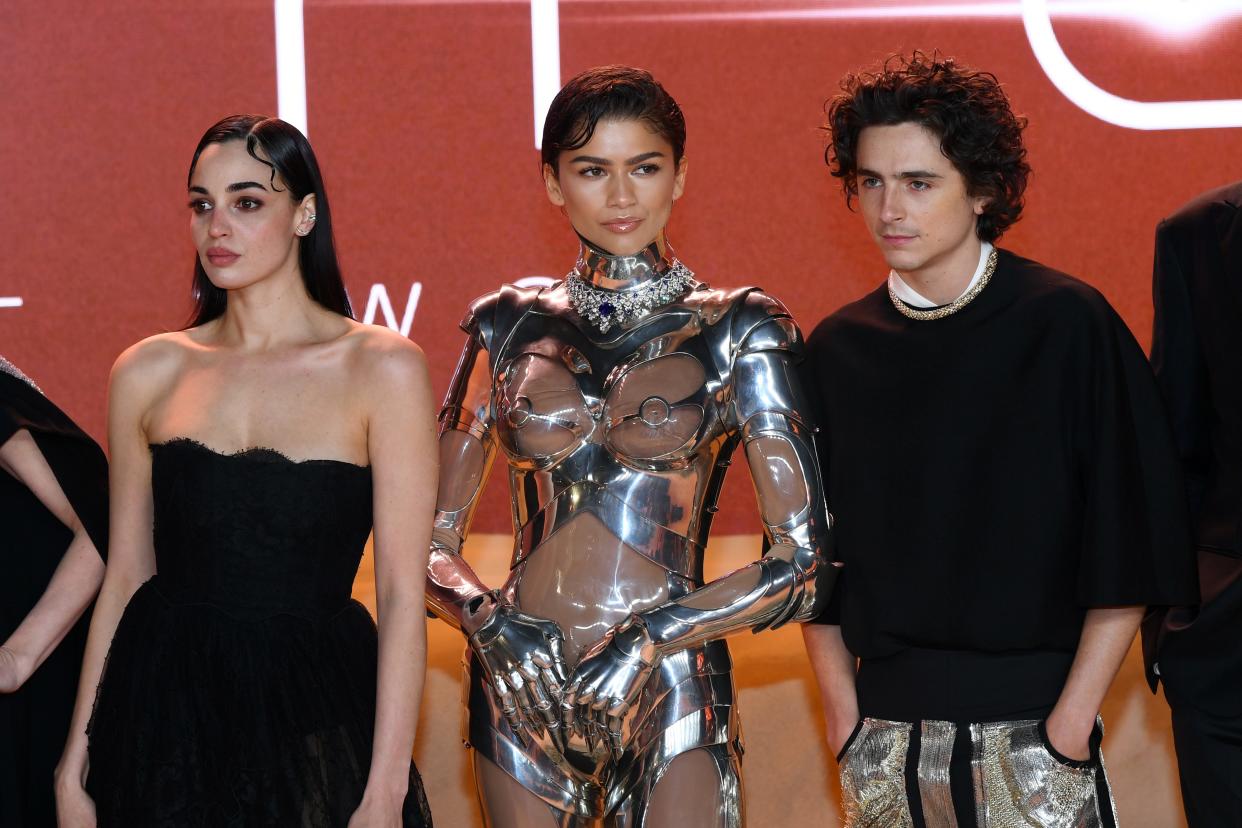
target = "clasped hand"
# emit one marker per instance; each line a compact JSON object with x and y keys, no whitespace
{"x":606,"y":683}
{"x":522,"y":656}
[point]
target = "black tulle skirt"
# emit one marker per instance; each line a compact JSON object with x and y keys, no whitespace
{"x":206,"y":719}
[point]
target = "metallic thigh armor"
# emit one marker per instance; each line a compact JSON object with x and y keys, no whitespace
{"x":617,"y":445}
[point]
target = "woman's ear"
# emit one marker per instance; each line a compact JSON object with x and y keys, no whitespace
{"x":304,"y":216}
{"x":679,"y":181}
{"x":553,"y":185}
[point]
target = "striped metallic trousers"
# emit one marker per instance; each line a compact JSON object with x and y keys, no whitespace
{"x":934,"y":774}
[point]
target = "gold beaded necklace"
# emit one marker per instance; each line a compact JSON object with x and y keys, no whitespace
{"x":954,"y":306}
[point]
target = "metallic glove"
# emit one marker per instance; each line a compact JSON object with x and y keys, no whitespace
{"x":604,"y":688}
{"x":522,"y":657}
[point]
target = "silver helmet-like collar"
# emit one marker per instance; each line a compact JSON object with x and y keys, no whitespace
{"x":608,"y":290}
{"x":601,"y":269}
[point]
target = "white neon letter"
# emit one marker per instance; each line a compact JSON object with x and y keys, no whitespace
{"x":1105,"y":105}
{"x":379,"y":301}
{"x":290,"y":64}
{"x":545,"y":58}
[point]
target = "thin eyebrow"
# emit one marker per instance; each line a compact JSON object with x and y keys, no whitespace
{"x":604,"y":162}
{"x":232,"y":188}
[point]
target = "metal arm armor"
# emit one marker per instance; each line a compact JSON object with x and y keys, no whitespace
{"x":793,"y":580}
{"x":520,"y":653}
{"x":467,"y":448}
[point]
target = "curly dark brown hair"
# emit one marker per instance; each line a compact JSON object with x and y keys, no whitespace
{"x":978,"y":130}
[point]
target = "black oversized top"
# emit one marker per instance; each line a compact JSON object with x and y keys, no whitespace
{"x":996,"y":472}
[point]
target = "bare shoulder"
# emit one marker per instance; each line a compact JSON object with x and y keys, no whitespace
{"x":379,"y":349}
{"x":385,"y":360}
{"x":151,"y":365}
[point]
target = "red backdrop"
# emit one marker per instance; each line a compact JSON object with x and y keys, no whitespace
{"x":421,"y":114}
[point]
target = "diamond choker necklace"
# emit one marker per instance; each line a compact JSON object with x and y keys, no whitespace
{"x":655,"y":281}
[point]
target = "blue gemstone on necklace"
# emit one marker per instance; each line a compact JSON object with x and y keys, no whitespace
{"x":606,"y":309}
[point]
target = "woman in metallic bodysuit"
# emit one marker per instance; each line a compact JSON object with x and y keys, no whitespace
{"x":599,"y":687}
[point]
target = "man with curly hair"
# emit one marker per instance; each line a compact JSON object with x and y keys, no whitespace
{"x":1002,"y":475}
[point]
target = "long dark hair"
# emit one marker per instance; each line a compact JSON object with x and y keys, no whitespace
{"x":287,"y":152}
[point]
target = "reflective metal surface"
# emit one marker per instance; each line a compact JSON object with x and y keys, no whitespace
{"x":873,"y":776}
{"x":616,"y":445}
{"x":935,"y":756}
{"x":601,"y":269}
{"x":1019,"y":782}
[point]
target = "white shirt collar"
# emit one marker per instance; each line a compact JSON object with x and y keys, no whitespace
{"x":915,"y":299}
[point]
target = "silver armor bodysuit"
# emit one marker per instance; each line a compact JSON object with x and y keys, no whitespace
{"x":617,"y":443}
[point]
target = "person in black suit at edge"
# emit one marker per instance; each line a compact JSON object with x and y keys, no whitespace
{"x":1197,"y":356}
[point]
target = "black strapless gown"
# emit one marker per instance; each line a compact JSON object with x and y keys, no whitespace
{"x":240,"y":687}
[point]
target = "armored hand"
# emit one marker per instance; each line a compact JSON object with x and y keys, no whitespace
{"x":525,"y":668}
{"x":602,"y":692}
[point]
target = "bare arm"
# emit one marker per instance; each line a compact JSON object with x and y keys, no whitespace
{"x":131,"y":555}
{"x":73,"y":584}
{"x":401,"y":448}
{"x":1107,"y":633}
{"x":835,"y":668}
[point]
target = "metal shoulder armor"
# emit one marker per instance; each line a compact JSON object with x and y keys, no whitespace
{"x":761,"y":323}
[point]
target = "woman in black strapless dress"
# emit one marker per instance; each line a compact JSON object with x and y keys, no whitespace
{"x":251,"y":455}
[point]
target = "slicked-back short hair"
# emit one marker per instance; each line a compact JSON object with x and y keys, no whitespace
{"x":969,"y":112}
{"x":610,"y":93}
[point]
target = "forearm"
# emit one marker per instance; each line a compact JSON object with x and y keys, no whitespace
{"x":467,"y":448}
{"x":114,"y":595}
{"x":74,"y":583}
{"x":835,"y":668}
{"x":605,"y":685}
{"x":454,"y":592}
{"x":780,"y":587}
{"x":791,"y":582}
{"x":1107,"y":634}
{"x":399,"y":688}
